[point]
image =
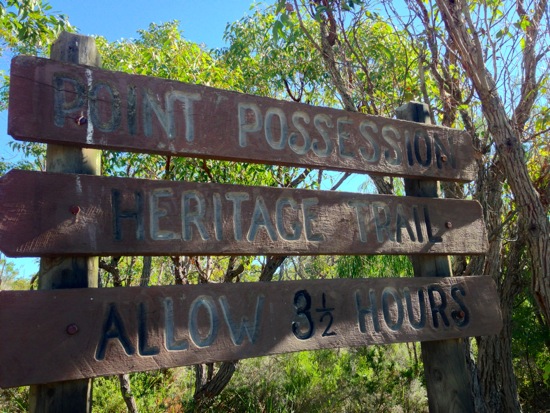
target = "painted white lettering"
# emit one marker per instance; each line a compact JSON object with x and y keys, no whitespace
{"x":282,"y":127}
{"x":170,"y":341}
{"x":237,"y":198}
{"x":105,"y":95}
{"x":199,"y":338}
{"x":360,"y":208}
{"x":238,"y":331}
{"x":293,"y":137}
{"x":391,"y":137}
{"x":157,"y":213}
{"x":260,"y":218}
{"x":309,"y":216}
{"x":193,"y":215}
{"x":318,"y":120}
{"x":402,"y":221}
{"x":374,"y":157}
{"x":247,"y":112}
{"x":166,"y":116}
{"x":64,"y":88}
{"x":218,"y":227}
{"x":382,"y":223}
{"x":296,"y":228}
{"x":343,"y":136}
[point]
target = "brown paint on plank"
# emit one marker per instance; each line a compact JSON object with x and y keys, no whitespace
{"x":65,"y":214}
{"x":71,"y":334}
{"x":63,"y":103}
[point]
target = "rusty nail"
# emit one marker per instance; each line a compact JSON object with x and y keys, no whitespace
{"x":461,"y":314}
{"x":443,"y":158}
{"x":81,"y":120}
{"x":449,"y":224}
{"x":72,"y":329}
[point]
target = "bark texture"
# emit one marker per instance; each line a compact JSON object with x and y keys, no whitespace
{"x":507,"y":130}
{"x":126,"y":392}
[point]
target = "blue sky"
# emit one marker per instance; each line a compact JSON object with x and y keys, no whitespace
{"x":201,"y":21}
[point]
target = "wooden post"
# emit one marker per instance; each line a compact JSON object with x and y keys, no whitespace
{"x":74,"y":272}
{"x":447,"y":377}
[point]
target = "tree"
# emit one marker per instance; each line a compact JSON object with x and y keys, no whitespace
{"x":509,"y":128}
{"x":479,"y":66}
{"x":29,"y":27}
{"x":497,"y":44}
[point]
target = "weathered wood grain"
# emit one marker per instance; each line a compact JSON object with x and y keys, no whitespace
{"x":62,"y":103}
{"x":70,"y":334}
{"x":448,"y":379}
{"x":63,"y":214}
{"x":68,"y":272}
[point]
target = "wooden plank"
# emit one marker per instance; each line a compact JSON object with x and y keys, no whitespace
{"x":71,"y":334}
{"x":65,"y":214}
{"x":61,"y":103}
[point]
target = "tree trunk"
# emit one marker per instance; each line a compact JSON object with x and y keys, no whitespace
{"x":127,"y":395}
{"x":494,"y":371}
{"x":495,"y":352}
{"x":507,"y":135}
{"x":214,"y":385}
{"x":146,"y":272}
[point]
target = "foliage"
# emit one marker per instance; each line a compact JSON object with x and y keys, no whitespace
{"x":278,"y":64}
{"x":27,"y":27}
{"x":154,"y":392}
{"x":276,"y":51}
{"x":10,"y":279}
{"x":162,"y":51}
{"x":339,"y":53}
{"x":14,"y":400}
{"x":327,"y":380}
{"x":384,"y":378}
{"x":362,"y":266}
{"x":530,"y":340}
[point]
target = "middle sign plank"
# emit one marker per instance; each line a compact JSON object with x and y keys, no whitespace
{"x":61,"y":103}
{"x":65,"y":214}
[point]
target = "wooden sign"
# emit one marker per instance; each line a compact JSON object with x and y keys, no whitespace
{"x":70,"y":334}
{"x":65,"y":214}
{"x":60,"y":103}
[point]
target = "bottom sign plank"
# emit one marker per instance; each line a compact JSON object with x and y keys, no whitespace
{"x":50,"y":336}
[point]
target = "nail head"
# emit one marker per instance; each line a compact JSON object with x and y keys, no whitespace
{"x":81,"y":120}
{"x":72,"y":329}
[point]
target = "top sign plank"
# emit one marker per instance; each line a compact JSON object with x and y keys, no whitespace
{"x":61,"y":103}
